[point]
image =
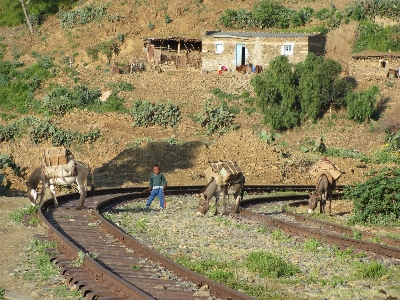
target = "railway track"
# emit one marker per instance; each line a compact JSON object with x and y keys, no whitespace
{"x":106,"y":263}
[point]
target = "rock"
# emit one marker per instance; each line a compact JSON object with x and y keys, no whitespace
{"x":202,"y":294}
{"x":13,"y":296}
{"x":37,"y":295}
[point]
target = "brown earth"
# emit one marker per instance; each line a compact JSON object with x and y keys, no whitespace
{"x":123,"y":155}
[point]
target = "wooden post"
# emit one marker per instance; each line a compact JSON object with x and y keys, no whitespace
{"x":179,"y":46}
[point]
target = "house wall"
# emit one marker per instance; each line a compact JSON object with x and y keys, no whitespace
{"x":259,"y":50}
{"x":371,"y":66}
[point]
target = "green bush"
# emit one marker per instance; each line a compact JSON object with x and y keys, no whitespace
{"x":369,"y":9}
{"x":17,"y":85}
{"x":147,"y":114}
{"x":43,"y":130}
{"x":373,"y":269}
{"x":277,"y":94}
{"x":372,"y":36}
{"x":60,"y":99}
{"x":361,"y":106}
{"x":270,"y":265}
{"x":121,"y":86}
{"x":377,"y":200}
{"x":316,"y":78}
{"x":81,"y":16}
{"x":216,"y":119}
{"x":11,"y":13}
{"x":107,"y":48}
{"x":393,"y":141}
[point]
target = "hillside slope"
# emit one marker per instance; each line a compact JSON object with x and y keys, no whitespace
{"x":124,"y":154}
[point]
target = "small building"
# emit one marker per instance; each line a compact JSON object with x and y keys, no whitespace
{"x":174,"y":51}
{"x":232,"y":49}
{"x":373,"y":63}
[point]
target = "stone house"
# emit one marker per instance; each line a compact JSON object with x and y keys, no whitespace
{"x":239,"y":48}
{"x":372,"y":63}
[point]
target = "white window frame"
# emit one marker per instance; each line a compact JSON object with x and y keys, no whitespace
{"x":287,"y":52}
{"x":219,"y":48}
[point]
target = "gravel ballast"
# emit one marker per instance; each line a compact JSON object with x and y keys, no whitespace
{"x":226,"y":242}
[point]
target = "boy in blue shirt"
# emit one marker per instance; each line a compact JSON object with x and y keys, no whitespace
{"x":157,"y":184}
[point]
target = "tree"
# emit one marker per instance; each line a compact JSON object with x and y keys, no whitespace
{"x":277,"y":94}
{"x":316,"y":81}
{"x":28,"y":20}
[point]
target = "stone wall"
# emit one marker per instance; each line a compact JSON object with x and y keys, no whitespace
{"x":259,"y":50}
{"x":373,"y":66}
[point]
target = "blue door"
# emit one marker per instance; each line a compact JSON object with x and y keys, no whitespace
{"x":240,"y":54}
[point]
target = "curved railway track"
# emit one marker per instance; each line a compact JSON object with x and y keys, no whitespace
{"x":116,"y":266}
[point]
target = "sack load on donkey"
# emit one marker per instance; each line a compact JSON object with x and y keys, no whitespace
{"x":224,"y":178}
{"x":56,"y":163}
{"x":325,"y":167}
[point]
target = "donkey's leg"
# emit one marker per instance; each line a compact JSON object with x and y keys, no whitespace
{"x":237,"y":196}
{"x":53,"y":192}
{"x":224,"y":192}
{"x":330,"y":202}
{"x":216,"y":204}
{"x":323,"y":203}
{"x":44,"y":185}
{"x":82,"y":193}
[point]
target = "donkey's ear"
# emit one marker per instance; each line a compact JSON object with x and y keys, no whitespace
{"x":309,"y":192}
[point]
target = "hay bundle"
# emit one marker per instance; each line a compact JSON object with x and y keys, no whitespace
{"x":60,"y":171}
{"x":326,"y":167}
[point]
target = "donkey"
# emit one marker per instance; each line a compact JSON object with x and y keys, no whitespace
{"x":37,"y":176}
{"x":235,"y":188}
{"x":323,"y":191}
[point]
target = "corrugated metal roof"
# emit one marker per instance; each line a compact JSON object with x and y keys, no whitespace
{"x":172,"y":38}
{"x":222,"y":34}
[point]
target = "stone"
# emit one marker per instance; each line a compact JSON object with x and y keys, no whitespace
{"x":202,"y":294}
{"x":13,"y":296}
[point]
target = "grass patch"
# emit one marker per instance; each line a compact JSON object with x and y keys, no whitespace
{"x":17,"y":215}
{"x":2,"y":293}
{"x":40,"y":266}
{"x":371,"y":270}
{"x":312,"y":245}
{"x":270,"y":265}
{"x":137,"y":268}
{"x":65,"y":292}
{"x":280,"y":236}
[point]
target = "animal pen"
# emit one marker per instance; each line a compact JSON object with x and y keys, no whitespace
{"x":173,"y":51}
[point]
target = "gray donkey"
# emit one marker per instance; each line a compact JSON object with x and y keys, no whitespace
{"x":322,"y":192}
{"x":37,"y":176}
{"x":235,"y":188}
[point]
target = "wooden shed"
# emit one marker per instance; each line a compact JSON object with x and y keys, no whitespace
{"x":176,"y":51}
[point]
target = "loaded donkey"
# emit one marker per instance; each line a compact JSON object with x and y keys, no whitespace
{"x":224,"y":178}
{"x":73,"y":172}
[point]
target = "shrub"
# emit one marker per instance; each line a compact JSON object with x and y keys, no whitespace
{"x":371,"y":270}
{"x":316,"y":80}
{"x":43,"y":130}
{"x":377,"y":200}
{"x":80,"y":16}
{"x":270,"y":265}
{"x":17,"y":85}
{"x":393,"y":141}
{"x":167,"y":19}
{"x":361,"y":106}
{"x":372,"y":36}
{"x":147,"y":114}
{"x":369,"y":9}
{"x":216,"y":119}
{"x":60,"y":99}
{"x":277,"y":94}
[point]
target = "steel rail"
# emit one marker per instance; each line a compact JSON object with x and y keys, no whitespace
{"x":339,"y":228}
{"x":106,"y":277}
{"x":215,"y":288}
{"x":296,"y":229}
